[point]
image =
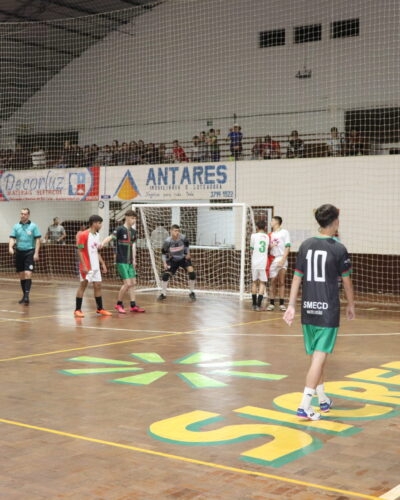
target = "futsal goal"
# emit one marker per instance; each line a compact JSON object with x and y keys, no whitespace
{"x":218,"y":234}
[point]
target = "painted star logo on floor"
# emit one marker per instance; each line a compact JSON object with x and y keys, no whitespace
{"x":213,"y":363}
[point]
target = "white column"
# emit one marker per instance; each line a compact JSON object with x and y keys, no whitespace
{"x":104,"y":212}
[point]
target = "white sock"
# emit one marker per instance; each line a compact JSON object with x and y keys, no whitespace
{"x":322,"y":397}
{"x":191,"y":285}
{"x":164,"y":285}
{"x":307,"y":398}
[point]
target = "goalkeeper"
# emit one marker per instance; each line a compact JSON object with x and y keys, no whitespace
{"x":176,"y":254}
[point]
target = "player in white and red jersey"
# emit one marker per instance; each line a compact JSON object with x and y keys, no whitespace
{"x":259,"y":243}
{"x":89,"y":265}
{"x":279,"y":248}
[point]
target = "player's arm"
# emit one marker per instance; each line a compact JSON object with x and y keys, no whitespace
{"x":134,"y":254}
{"x":11,"y":243}
{"x":294,"y":291}
{"x":348,"y":290}
{"x":186,"y":249}
{"x":103,"y":264}
{"x":164,"y":254}
{"x":82,"y":259}
{"x":107,"y":240}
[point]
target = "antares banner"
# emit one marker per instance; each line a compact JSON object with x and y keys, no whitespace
{"x":169,"y":182}
{"x":73,"y":184}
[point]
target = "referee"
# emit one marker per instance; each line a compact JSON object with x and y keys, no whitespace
{"x":26,"y":236}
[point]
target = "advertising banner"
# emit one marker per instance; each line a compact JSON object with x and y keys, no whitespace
{"x":73,"y":184}
{"x":169,"y":182}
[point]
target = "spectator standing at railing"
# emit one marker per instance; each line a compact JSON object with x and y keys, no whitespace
{"x":55,"y":233}
{"x":296,"y":146}
{"x":236,"y":137}
{"x":195,"y":153}
{"x":38,"y":156}
{"x":141,"y":151}
{"x":178,"y":153}
{"x":335,"y":143}
{"x":163,"y":154}
{"x":355,"y":144}
{"x":133,"y":150}
{"x":257,"y":149}
{"x":213,"y":145}
{"x":124,"y":156}
{"x":203,"y":146}
{"x":271,"y":149}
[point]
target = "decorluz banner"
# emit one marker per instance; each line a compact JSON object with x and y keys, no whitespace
{"x":169,"y":182}
{"x":73,"y":184}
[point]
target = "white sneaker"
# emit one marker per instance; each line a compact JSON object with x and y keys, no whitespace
{"x":271,"y":307}
{"x":308,"y":414}
{"x":282,"y":307}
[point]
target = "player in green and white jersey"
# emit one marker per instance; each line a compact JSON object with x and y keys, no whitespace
{"x":320,"y":261}
{"x":259,"y":243}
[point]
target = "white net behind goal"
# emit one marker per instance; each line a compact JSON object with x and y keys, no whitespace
{"x":218,"y":235}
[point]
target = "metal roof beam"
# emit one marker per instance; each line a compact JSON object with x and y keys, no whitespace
{"x":84,"y":10}
{"x":41,"y":46}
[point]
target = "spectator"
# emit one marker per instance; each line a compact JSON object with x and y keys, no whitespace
{"x":88,"y":156}
{"x":105,"y":158}
{"x":21,"y":160}
{"x":236,"y":136}
{"x":38,"y":157}
{"x":195,"y":153}
{"x":77,"y":156}
{"x":296,"y":146}
{"x":124,"y":155}
{"x":213,"y":145}
{"x":162,"y":153}
{"x":68,"y":154}
{"x":203,"y":146}
{"x":271,"y":149}
{"x":95,"y":151}
{"x":151,"y":156}
{"x":141,"y":151}
{"x":257,"y":149}
{"x":55,"y":233}
{"x":335,"y":143}
{"x":178,"y":153}
{"x":133,"y":150}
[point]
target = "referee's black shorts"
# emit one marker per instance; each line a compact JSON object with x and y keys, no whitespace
{"x":24,"y":260}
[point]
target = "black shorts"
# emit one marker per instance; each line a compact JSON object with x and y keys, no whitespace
{"x":174,"y":265}
{"x":24,"y":260}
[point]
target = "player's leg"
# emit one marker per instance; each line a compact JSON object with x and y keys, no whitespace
{"x":281,"y":288}
{"x":272,"y":292}
{"x":314,"y":374}
{"x":254,"y":287}
{"x":261,"y":291}
{"x":24,"y":265}
{"x":166,"y":275}
{"x":325,"y":403}
{"x":121,"y":293}
{"x":79,"y":298}
{"x":96,"y":280}
{"x":191,"y":280}
{"x":132,"y":295}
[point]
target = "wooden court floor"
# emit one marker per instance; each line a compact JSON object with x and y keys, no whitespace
{"x":190,"y":401}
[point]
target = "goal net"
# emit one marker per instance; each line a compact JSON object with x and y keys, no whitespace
{"x":218,"y":235}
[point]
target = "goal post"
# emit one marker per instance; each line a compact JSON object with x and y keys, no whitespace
{"x":218,"y":234}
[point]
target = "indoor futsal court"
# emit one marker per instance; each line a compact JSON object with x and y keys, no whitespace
{"x":190,"y":400}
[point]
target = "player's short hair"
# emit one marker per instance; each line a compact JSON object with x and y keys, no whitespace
{"x":175,"y":226}
{"x":261,"y":224}
{"x":326,"y":214}
{"x":279,"y":219}
{"x":95,"y":218}
{"x":130,"y":213}
{"x":27,"y":209}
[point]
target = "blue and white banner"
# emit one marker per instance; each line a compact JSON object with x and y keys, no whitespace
{"x":73,"y":184}
{"x":169,"y":182}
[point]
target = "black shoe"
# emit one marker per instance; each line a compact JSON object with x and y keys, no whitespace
{"x":22,"y":300}
{"x":256,"y":308}
{"x":161,"y":297}
{"x":192,"y":296}
{"x":26,"y":301}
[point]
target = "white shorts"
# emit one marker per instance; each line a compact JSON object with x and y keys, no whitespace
{"x":259,"y":274}
{"x":274,"y":269}
{"x":92,"y":276}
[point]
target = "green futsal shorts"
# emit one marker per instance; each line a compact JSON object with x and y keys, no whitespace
{"x":126,"y":271}
{"x":319,"y":338}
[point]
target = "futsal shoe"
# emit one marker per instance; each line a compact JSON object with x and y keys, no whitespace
{"x":192,"y":296}
{"x":161,"y":297}
{"x":282,"y":307}
{"x":24,"y":300}
{"x":103,"y":312}
{"x":309,"y":414}
{"x":79,"y":314}
{"x":120,"y":309}
{"x":137,"y":309}
{"x":271,"y":307}
{"x":326,"y":405}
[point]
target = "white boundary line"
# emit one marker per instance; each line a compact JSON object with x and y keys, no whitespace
{"x":392,"y":494}
{"x":291,"y":334}
{"x":116,"y":329}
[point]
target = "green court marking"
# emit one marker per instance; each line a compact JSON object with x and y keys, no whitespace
{"x":106,"y":361}
{"x":198,"y":381}
{"x":259,"y":375}
{"x":142,"y":379}
{"x":93,"y":371}
{"x":245,"y":362}
{"x":198,"y":357}
{"x":148,"y":357}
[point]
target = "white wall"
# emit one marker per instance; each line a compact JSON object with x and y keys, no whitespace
{"x":185,"y":61}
